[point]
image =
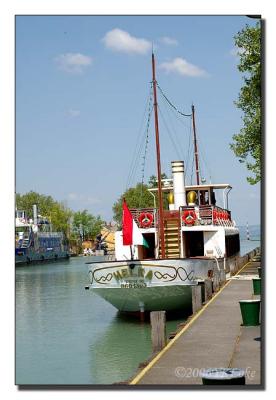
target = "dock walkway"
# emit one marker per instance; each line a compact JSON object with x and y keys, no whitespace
{"x":214,"y":338}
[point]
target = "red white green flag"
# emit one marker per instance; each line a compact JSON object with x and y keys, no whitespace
{"x":131,"y":232}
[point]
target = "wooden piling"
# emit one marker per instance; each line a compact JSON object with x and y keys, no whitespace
{"x":216,"y":281}
{"x":222,"y":277}
{"x":196,"y":298}
{"x":158,"y":330}
{"x":208,"y":289}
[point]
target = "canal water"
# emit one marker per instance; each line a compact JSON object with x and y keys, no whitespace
{"x":68,"y":335}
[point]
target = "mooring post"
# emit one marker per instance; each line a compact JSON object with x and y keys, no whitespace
{"x":222,"y":277}
{"x":196,"y":298}
{"x":158,"y":330}
{"x":208,"y":289}
{"x":142,"y":312}
{"x":202,"y":285}
{"x":216,"y":282}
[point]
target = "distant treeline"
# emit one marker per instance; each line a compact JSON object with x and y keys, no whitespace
{"x":74,"y":225}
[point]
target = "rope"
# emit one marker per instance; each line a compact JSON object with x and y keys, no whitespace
{"x":138,"y":150}
{"x":192,"y":172}
{"x":170,"y":135}
{"x":179,"y":143}
{"x":204,"y":159}
{"x":189,"y":150}
{"x":171,"y":104}
{"x":145,"y":152}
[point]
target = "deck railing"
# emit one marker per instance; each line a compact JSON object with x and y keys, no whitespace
{"x":207,"y":215}
{"x":202,"y":215}
{"x":140,"y":213}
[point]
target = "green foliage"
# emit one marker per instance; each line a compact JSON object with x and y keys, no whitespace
{"x":60,"y":216}
{"x":247,"y":143}
{"x":57,"y":213}
{"x":87,"y":225}
{"x":138,"y":197}
{"x":153,"y":180}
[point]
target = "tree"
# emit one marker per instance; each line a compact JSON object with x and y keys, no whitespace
{"x":247,"y":143}
{"x":138,"y":197}
{"x":87,"y":225}
{"x":60,"y":216}
{"x":153,"y":180}
{"x":57,"y":213}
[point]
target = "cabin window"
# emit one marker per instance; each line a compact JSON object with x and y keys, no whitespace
{"x":193,"y":244}
{"x":144,"y":252}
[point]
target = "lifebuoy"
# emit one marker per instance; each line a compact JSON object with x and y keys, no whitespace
{"x":145,"y":219}
{"x":189,"y":217}
{"x":215,"y":215}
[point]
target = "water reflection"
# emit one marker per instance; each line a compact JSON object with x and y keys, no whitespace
{"x":115,"y":356}
{"x":67,"y":335}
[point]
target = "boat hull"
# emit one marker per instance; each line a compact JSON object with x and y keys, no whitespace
{"x":33,"y":257}
{"x":149,"y":285}
{"x":162,"y":297}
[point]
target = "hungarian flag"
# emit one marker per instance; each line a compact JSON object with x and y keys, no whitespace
{"x":131,"y":233}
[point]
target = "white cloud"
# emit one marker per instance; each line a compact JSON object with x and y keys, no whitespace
{"x":122,"y":41}
{"x":182,"y":67}
{"x":73,"y":62}
{"x":168,"y":41}
{"x":74,"y":113}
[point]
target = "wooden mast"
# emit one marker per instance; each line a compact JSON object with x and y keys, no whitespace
{"x":195,"y":147}
{"x":160,"y":196}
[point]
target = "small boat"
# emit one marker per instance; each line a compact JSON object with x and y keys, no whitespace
{"x":161,"y":253}
{"x":35,"y":241}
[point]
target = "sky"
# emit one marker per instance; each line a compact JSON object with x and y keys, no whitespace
{"x":82,"y":85}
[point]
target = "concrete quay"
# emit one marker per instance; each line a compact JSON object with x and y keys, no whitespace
{"x":212,"y":338}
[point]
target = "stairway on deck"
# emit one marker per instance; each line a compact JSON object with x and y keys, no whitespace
{"x":171,"y":238}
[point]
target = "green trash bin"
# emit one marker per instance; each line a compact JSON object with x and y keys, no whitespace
{"x":250,"y":310}
{"x":256,"y":285}
{"x":223,"y":376}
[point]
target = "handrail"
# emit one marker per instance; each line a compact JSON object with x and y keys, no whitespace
{"x":209,"y":214}
{"x":136,"y":212}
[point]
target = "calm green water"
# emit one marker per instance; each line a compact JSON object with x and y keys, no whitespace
{"x":68,"y":335}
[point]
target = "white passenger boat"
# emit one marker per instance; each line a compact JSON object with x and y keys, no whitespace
{"x":160,"y":254}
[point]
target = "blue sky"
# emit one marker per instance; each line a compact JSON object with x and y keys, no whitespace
{"x":81,"y":90}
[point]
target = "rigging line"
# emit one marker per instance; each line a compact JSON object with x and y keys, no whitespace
{"x":148,"y":100}
{"x":177,"y":116}
{"x":145,"y":139}
{"x":145,"y":154}
{"x":170,"y":135}
{"x":171,"y":104}
{"x":203,"y":155}
{"x":178,"y":141}
{"x":189,"y":149}
{"x":137,"y":149}
{"x":139,"y":152}
{"x":138,"y":155}
{"x":192,"y":171}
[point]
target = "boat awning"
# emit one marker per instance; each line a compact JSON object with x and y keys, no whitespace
{"x":195,"y":187}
